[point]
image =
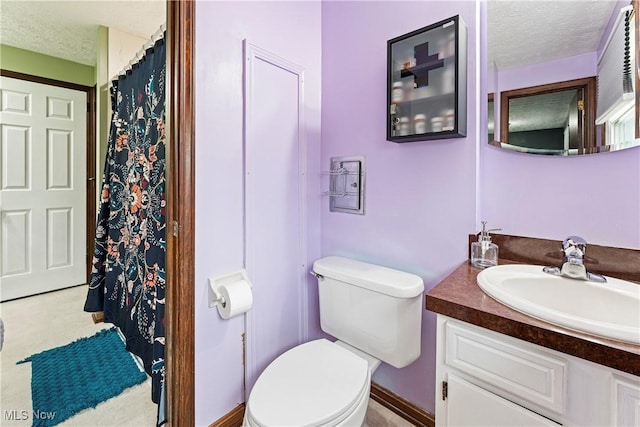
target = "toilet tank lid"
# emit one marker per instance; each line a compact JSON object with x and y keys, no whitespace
{"x":376,"y":278}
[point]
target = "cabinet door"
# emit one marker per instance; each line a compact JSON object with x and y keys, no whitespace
{"x":627,"y":401}
{"x":470,"y":405}
{"x":522,"y":371}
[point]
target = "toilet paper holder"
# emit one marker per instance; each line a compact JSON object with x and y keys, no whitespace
{"x":215,"y":297}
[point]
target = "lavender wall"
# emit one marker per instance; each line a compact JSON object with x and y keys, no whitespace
{"x":290,"y":30}
{"x":595,"y":196}
{"x":575,"y":67}
{"x":420,"y":197}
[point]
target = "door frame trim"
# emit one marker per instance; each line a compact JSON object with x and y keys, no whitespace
{"x":180,"y":177}
{"x":90,"y":162}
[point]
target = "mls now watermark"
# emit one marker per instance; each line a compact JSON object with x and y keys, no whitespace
{"x":23,"y":415}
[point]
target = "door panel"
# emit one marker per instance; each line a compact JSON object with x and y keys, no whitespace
{"x":16,"y":148}
{"x":15,"y":102}
{"x":59,"y":237}
{"x":274,"y":203}
{"x":43,"y":182}
{"x":59,"y":108}
{"x":59,"y":159}
{"x":470,"y":405}
{"x":16,"y":232}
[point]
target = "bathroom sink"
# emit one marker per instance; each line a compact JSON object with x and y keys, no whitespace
{"x":610,"y":310}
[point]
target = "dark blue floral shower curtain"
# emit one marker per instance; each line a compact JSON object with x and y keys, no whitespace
{"x":128,"y":276}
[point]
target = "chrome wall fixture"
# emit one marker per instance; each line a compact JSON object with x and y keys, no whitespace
{"x":346,"y":184}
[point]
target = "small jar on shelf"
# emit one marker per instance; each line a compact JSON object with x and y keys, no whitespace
{"x":449,"y":119}
{"x":403,"y":126}
{"x":410,"y":62}
{"x":397,"y":93}
{"x":436,"y":124}
{"x":420,"y":123}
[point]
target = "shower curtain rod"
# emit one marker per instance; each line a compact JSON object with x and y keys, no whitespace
{"x":140,"y":54}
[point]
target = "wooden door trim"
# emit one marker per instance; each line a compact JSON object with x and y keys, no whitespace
{"x":589,"y":84}
{"x":91,"y":178}
{"x":180,"y":313}
{"x":45,"y":80}
{"x":91,"y":152}
{"x":402,"y":407}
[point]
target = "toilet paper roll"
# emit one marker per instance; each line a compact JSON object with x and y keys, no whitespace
{"x":238,"y":298}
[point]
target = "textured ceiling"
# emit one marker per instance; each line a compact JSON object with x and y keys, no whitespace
{"x":524,"y":113}
{"x":67,"y":29}
{"x":519,"y":31}
{"x":522,"y":32}
{"x":548,"y":111}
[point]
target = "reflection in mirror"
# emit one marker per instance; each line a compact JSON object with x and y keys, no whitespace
{"x":554,"y":119}
{"x":533,"y":46}
{"x":490,"y":121}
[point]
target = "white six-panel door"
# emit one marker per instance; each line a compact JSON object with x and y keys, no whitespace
{"x":42,"y":188}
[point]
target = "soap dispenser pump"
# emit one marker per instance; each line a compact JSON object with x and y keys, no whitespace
{"x":484,"y":253}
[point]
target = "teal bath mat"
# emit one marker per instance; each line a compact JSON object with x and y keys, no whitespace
{"x":66,"y":380}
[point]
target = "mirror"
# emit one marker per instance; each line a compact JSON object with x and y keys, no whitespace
{"x":543,"y":59}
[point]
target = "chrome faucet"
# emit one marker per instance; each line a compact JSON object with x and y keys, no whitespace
{"x":574,"y":248}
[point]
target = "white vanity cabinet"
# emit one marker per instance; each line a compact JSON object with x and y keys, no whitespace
{"x":485,"y":378}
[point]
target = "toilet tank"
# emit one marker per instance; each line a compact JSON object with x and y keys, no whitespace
{"x":375,"y":309}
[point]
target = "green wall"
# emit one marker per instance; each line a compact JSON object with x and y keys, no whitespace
{"x":37,"y":64}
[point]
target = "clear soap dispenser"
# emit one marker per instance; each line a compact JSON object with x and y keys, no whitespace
{"x":484,"y":253}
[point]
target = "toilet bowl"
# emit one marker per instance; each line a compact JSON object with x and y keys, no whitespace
{"x":318,"y":383}
{"x":375,"y":313}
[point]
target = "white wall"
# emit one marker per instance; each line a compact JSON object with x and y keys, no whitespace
{"x":115,"y":49}
{"x":122,"y":49}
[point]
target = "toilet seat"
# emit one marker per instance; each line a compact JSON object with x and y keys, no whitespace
{"x":314,"y":384}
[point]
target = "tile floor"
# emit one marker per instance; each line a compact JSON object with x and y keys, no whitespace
{"x":379,"y":416}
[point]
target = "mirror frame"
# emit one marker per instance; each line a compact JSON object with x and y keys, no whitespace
{"x":589,"y":86}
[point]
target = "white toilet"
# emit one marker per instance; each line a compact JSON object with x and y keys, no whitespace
{"x":375,"y":312}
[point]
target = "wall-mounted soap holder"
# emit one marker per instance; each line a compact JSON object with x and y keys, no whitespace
{"x":346,"y":184}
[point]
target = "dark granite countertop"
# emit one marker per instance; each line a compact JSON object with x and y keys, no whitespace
{"x":459,"y":296}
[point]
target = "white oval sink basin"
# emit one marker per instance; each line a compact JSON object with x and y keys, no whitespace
{"x":610,"y":310}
